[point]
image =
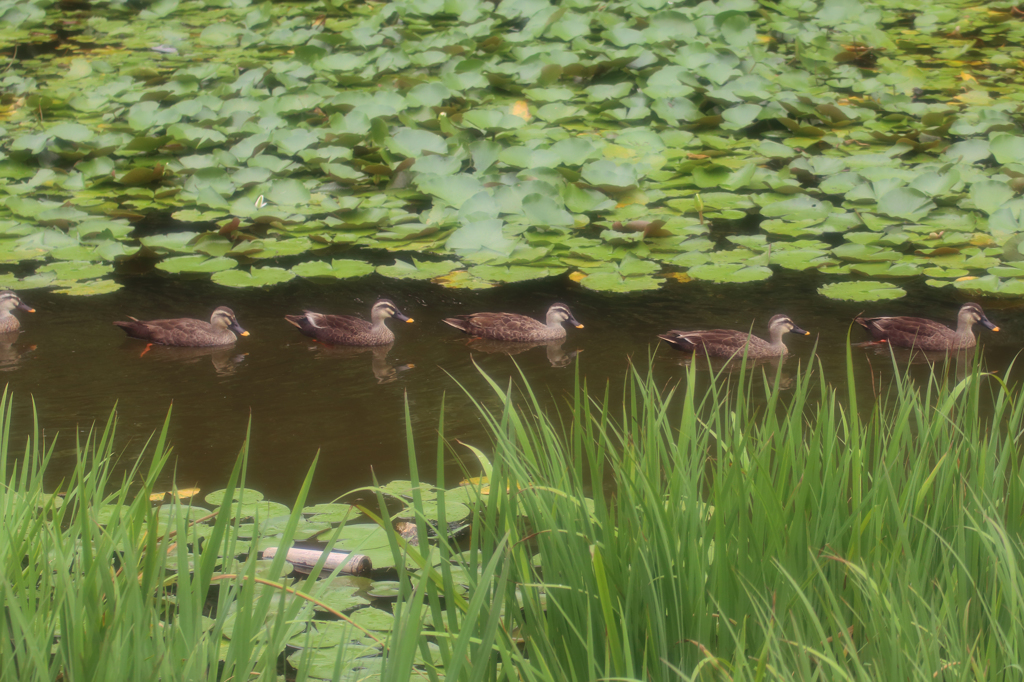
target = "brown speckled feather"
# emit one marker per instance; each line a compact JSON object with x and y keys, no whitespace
{"x":727,"y":343}
{"x":185,"y":331}
{"x":721,"y":343}
{"x":925,"y":334}
{"x":345,"y":330}
{"x":514,"y":327}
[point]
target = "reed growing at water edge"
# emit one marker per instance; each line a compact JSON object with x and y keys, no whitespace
{"x":742,"y":528}
{"x":100,"y":584}
{"x":746,"y":531}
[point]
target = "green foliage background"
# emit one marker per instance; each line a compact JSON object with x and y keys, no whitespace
{"x":490,"y":142}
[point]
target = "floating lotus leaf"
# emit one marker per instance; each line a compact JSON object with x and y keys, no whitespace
{"x":901,"y":269}
{"x":202,"y":264}
{"x":217,"y":497}
{"x":305,"y":529}
{"x":328,"y":634}
{"x":257,"y":277}
{"x":800,"y":207}
{"x":353,"y":662}
{"x":905,"y":202}
{"x":409,"y":142}
{"x":337,"y":269}
{"x":618,"y":283}
{"x":418,"y":269}
{"x":1005,"y":147}
{"x":385,"y":589}
{"x":730,"y":272}
{"x":79,"y":253}
{"x":481,"y":240}
{"x":968,"y":151}
{"x":800,"y":259}
{"x":492,"y":120}
{"x":342,"y":598}
{"x":373,"y":619}
{"x":476,"y":131}
{"x":76,"y":270}
{"x":455,"y":191}
{"x":862,"y":291}
{"x":991,"y":286}
{"x":865,"y":252}
{"x":176,"y":242}
{"x":288,"y":192}
{"x":251,"y":510}
{"x":89,"y":288}
{"x":740,"y":116}
{"x":609,"y":175}
{"x":513,"y":273}
{"x":543,"y":210}
{"x":359,"y":537}
{"x":990,"y":195}
{"x":275,"y":248}
{"x":454,"y":511}
{"x":405,"y":489}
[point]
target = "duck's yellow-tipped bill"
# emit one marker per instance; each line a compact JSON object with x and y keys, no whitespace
{"x":31,"y":310}
{"x":579,"y":326}
{"x":245,"y":333}
{"x":995,"y":329}
{"x":409,"y":321}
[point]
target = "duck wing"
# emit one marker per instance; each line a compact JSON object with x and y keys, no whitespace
{"x":497,"y":325}
{"x":718,"y":342}
{"x":904,"y":330}
{"x":328,"y":327}
{"x":169,"y":332}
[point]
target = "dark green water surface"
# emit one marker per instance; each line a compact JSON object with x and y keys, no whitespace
{"x":303,"y":397}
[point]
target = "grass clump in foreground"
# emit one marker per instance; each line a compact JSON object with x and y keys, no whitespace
{"x":745,"y":532}
{"x":739,"y":531}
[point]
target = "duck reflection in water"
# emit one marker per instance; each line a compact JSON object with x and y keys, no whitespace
{"x":732,"y":366}
{"x":383,"y":369}
{"x":12,"y":352}
{"x":225,"y":359}
{"x":557,"y":355}
{"x":962,"y":360}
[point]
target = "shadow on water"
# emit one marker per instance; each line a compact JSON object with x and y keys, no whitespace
{"x":348,"y":404}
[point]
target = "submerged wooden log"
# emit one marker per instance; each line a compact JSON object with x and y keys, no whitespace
{"x":305,"y":559}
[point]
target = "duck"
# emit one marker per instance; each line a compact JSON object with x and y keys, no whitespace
{"x":513,"y":327}
{"x":924,"y":334}
{"x":345,"y":330}
{"x":727,"y":343}
{"x":8,"y":302}
{"x":221,"y":330}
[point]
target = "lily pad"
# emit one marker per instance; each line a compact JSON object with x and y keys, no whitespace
{"x":992,"y":286}
{"x":257,"y":277}
{"x":336,"y":269}
{"x":619,"y":283}
{"x":202,"y":264}
{"x":730,"y":272}
{"x":418,"y":269}
{"x":76,"y":270}
{"x":90,"y":288}
{"x":862,"y":291}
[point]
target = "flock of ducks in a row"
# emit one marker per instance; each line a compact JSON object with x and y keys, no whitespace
{"x":343,"y":330}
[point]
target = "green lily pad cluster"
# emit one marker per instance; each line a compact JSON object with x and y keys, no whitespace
{"x":477,"y":143}
{"x":318,"y":638}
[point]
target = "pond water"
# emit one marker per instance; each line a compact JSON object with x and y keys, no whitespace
{"x":303,"y":397}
